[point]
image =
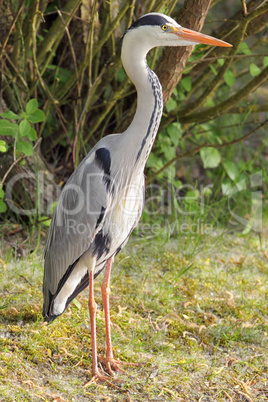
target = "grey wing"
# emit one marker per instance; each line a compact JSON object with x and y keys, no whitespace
{"x":79,"y":216}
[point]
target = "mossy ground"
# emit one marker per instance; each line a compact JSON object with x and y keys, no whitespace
{"x":199,"y":334}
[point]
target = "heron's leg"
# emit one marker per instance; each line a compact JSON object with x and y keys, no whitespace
{"x":92,"y":306}
{"x":109,"y":361}
{"x":105,"y":292}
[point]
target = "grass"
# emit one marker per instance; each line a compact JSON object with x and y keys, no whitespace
{"x":192,"y":311}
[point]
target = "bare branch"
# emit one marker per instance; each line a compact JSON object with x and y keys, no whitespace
{"x":229,"y":103}
{"x":56,"y":32}
{"x":197,"y":149}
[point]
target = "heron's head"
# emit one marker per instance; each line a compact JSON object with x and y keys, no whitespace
{"x":157,"y":29}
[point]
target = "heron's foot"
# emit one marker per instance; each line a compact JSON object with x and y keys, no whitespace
{"x":112,"y":364}
{"x":98,"y":377}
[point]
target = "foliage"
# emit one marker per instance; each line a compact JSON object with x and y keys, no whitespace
{"x":22,"y":135}
{"x":22,"y":128}
{"x":68,"y":59}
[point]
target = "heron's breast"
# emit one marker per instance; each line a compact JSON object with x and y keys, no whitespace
{"x":122,"y":217}
{"x":126,"y":210}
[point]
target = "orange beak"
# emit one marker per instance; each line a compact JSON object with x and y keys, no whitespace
{"x":192,"y":36}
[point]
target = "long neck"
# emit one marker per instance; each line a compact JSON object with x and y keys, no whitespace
{"x":141,"y":133}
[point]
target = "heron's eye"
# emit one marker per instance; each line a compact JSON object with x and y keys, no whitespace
{"x":164,"y":27}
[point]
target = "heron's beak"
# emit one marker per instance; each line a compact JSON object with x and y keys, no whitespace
{"x":192,"y":36}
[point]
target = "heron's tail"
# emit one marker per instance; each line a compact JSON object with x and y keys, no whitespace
{"x":49,"y":310}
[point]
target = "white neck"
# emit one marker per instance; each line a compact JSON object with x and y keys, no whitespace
{"x":141,"y":133}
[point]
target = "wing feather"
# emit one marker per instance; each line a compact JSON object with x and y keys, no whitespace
{"x":78,"y":217}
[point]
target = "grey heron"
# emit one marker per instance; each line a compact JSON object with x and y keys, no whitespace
{"x":102,"y":201}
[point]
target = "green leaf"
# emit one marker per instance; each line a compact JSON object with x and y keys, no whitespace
{"x":213,"y":69}
{"x":248,"y":227}
{"x":243,"y":48}
{"x":254,"y":70}
{"x":121,"y":75}
{"x":8,"y":128}
{"x":45,"y":222}
{"x":211,"y":157}
{"x":175,"y":133}
{"x":53,"y":206}
{"x":227,"y":188}
{"x":32,"y":135}
{"x":171,"y":105}
{"x":51,"y":67}
{"x":180,"y":96}
{"x":2,"y":193}
{"x":153,"y":160}
{"x":10,"y":115}
{"x":62,"y":74}
{"x":192,"y":196}
{"x":3,"y":206}
{"x":24,"y":128}
{"x":31,"y":106}
{"x":77,"y":304}
{"x":186,"y":83}
{"x":37,"y":116}
{"x":24,"y":115}
{"x":229,"y":78}
{"x":265,"y":61}
{"x":220,"y":61}
{"x":169,"y":151}
{"x":231,"y":169}
{"x":210,"y":102}
{"x":3,"y":146}
{"x":25,"y":147}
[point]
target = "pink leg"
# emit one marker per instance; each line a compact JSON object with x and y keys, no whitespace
{"x":105,"y":291}
{"x":96,"y":375}
{"x":92,"y":306}
{"x":109,"y":361}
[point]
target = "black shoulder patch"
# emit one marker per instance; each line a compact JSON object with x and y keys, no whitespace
{"x":150,"y":19}
{"x":103,"y":158}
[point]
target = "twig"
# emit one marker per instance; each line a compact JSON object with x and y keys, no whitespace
{"x":256,"y":18}
{"x":226,"y":105}
{"x":81,"y":119}
{"x":42,"y":82}
{"x":12,"y":27}
{"x":88,"y":98}
{"x":99,"y":119}
{"x":56,"y":32}
{"x":197,"y":149}
{"x":75,"y":17}
{"x":248,"y":399}
{"x":72,"y":51}
{"x":213,"y":85}
{"x":90,"y":43}
{"x":68,"y":85}
{"x":228,"y":396}
{"x":187,"y":132}
{"x":18,"y":74}
{"x":236,"y":56}
{"x":244,"y":6}
{"x":76,"y":73}
{"x":17,"y":161}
